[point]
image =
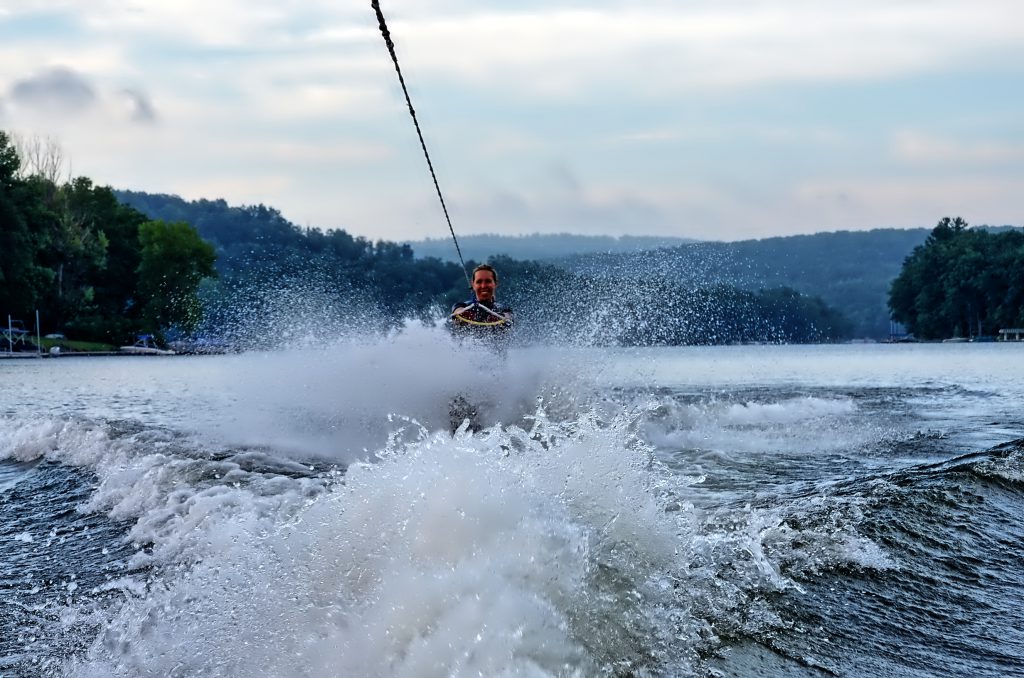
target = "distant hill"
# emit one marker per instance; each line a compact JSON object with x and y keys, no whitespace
{"x":538,"y":247}
{"x":271,"y":269}
{"x":850,"y":271}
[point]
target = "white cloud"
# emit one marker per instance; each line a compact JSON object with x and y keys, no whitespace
{"x":910,"y":201}
{"x":502,"y":141}
{"x":192,"y":22}
{"x":557,"y":51}
{"x":259,"y":188}
{"x":923,"y":149}
{"x":21,"y":59}
{"x":816,"y":136}
{"x":319,"y":153}
{"x":297,"y":101}
{"x":649,"y":49}
{"x":295,"y":104}
{"x":718,"y":212}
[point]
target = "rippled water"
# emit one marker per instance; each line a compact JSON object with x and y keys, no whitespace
{"x":773,"y":510}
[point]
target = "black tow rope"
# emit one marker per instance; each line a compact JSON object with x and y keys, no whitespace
{"x":394,"y":57}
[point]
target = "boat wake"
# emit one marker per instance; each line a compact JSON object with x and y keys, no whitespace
{"x":561,"y":547}
{"x":317,"y":528}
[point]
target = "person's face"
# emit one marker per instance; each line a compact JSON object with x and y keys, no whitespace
{"x":484,"y":285}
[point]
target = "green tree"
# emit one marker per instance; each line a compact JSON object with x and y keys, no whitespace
{"x":10,"y":163}
{"x":23,"y":280}
{"x":75,"y":249}
{"x":113,"y":306}
{"x":961,"y":282}
{"x":174,"y":260}
{"x":1006,"y":300}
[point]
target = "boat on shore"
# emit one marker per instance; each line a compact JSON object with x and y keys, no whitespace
{"x":145,"y":345}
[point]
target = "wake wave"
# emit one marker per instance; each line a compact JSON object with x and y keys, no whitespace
{"x":294,"y":528}
{"x":560,"y":548}
{"x":516,"y":551}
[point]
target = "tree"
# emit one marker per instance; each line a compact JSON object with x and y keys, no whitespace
{"x":44,"y":158}
{"x":105,"y":304}
{"x":174,"y":260}
{"x":961,"y":282}
{"x":23,"y":280}
{"x":10,"y":162}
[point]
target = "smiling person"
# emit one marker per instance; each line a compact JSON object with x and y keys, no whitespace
{"x":481,"y":316}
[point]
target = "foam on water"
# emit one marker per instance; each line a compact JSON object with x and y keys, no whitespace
{"x":786,"y":412}
{"x":559,"y":549}
{"x":348,"y":542}
{"x":806,"y":425}
{"x":333,"y":402}
{"x":444,"y":557}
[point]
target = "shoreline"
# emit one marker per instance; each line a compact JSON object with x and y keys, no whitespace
{"x":5,"y":355}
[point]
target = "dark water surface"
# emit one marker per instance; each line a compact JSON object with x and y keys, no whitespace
{"x":732,"y":511}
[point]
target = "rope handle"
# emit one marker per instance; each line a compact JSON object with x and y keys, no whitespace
{"x":491,"y":323}
{"x":501,"y":319}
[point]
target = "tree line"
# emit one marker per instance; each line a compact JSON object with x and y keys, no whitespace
{"x":103,"y":265}
{"x":272,"y":272}
{"x":962,"y":282}
{"x":93,"y":267}
{"x":850,"y":271}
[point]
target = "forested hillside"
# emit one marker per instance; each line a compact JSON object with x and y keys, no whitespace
{"x":850,"y":271}
{"x":272,"y":271}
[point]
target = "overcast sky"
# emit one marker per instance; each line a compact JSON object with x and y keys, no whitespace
{"x":717,"y":120}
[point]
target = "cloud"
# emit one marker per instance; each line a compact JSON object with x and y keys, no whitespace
{"x":745,"y":131}
{"x":559,"y":49}
{"x":668,"y":116}
{"x":140,"y":107}
{"x":923,"y":149}
{"x":576,"y":210}
{"x":905,"y":201}
{"x":561,"y":52}
{"x":321,"y":154}
{"x":57,"y":90}
{"x":63,"y":93}
{"x":563,"y":179}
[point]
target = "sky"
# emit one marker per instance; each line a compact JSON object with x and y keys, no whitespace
{"x":720,"y":120}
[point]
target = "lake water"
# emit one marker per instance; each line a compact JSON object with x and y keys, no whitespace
{"x":724,"y":511}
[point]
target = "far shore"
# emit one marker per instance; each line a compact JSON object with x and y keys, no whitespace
{"x":79,"y":354}
{"x":30,"y":355}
